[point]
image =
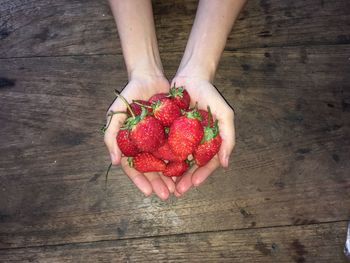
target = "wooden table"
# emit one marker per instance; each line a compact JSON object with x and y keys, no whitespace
{"x":286,"y":195}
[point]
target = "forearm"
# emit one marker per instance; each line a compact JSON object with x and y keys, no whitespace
{"x":137,"y":35}
{"x":213,"y":23}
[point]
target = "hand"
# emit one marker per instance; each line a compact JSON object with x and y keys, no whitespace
{"x":138,"y":88}
{"x":203,"y":92}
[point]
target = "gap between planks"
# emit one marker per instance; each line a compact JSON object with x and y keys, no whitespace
{"x":170,"y":235}
{"x":176,"y":52}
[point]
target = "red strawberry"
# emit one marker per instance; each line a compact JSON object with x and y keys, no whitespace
{"x":127,"y":147}
{"x":166,"y":111}
{"x":175,"y":169}
{"x":185,"y":134}
{"x":157,"y":97}
{"x":204,"y":115}
{"x":148,"y":134}
{"x":164,"y":152}
{"x":207,"y":150}
{"x":136,"y":107}
{"x":181,"y":97}
{"x":210,"y":144}
{"x":146,"y":162}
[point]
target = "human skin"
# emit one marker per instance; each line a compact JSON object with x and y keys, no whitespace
{"x":212,"y":25}
{"x":213,"y":22}
{"x":136,"y":30}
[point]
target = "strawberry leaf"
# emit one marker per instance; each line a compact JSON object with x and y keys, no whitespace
{"x":210,"y":132}
{"x":193,"y":114}
{"x":176,"y":92}
{"x":155,"y":105}
{"x":132,"y":121}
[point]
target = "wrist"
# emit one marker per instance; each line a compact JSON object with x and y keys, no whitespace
{"x":198,"y":66}
{"x":146,"y":65}
{"x":145,"y":69}
{"x":194,"y":71}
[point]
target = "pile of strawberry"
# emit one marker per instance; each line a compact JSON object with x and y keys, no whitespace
{"x":164,"y":135}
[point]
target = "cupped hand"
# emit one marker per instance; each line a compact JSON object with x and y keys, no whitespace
{"x":203,"y":92}
{"x":140,"y":88}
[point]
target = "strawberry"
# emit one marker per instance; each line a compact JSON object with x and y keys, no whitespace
{"x":166,"y":111}
{"x":146,"y":162}
{"x":175,"y":169}
{"x":207,"y":150}
{"x":204,"y":115}
{"x":127,"y":147}
{"x":136,"y":106}
{"x":148,"y":135}
{"x":146,"y":132}
{"x":157,"y":97}
{"x":185,"y":134}
{"x":210,"y":144}
{"x":164,"y":152}
{"x":181,"y":97}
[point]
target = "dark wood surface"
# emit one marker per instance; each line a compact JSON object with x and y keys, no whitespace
{"x":312,"y":243}
{"x":286,"y":195}
{"x":70,"y":27}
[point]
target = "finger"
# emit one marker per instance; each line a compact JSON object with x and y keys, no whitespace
{"x":203,"y":172}
{"x":113,"y":122}
{"x":227,"y":133}
{"x":185,"y":182}
{"x":176,"y":179}
{"x":137,"y":178}
{"x":158,"y":185}
{"x":169,"y":183}
{"x":177,"y":194}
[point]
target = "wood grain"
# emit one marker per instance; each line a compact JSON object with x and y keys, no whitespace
{"x":290,"y":166}
{"x":71,"y":27}
{"x":314,"y":243}
{"x":286,"y":194}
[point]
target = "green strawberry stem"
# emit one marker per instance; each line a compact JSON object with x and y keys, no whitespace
{"x":140,"y":104}
{"x":106,"y":179}
{"x":125,"y":102}
{"x":130,"y":162}
{"x":209,"y":116}
{"x":210,"y":132}
{"x":132,"y":121}
{"x":111,"y":114}
{"x":190,"y":163}
{"x":196,"y":106}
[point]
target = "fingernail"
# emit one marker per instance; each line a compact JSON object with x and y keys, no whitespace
{"x":183,"y":188}
{"x":177,"y":195}
{"x":226,"y":161}
{"x":171,"y":189}
{"x":143,"y":186}
{"x":198,"y":181}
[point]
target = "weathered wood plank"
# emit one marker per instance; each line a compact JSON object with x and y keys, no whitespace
{"x":48,"y":28}
{"x":290,"y":166}
{"x":314,"y":243}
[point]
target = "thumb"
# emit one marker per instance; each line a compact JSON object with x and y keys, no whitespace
{"x":227,"y":133}
{"x":114,"y":122}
